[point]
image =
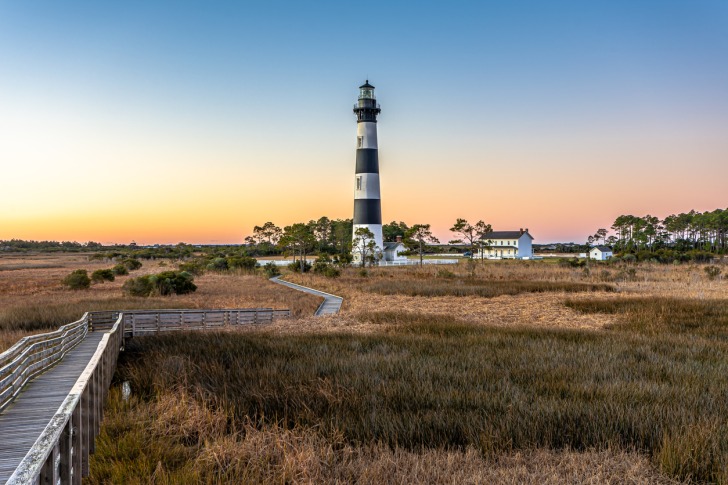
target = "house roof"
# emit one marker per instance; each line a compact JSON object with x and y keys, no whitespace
{"x":392,"y":245}
{"x":604,"y":249}
{"x":506,"y":235}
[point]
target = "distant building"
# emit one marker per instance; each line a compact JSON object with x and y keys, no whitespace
{"x":507,"y":245}
{"x":600,"y":253}
{"x":393,"y":250}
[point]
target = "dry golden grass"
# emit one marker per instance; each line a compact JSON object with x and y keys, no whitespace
{"x":177,"y":423}
{"x":541,"y":310}
{"x":32,"y":300}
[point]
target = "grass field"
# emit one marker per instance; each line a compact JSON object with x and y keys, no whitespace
{"x":32,"y":299}
{"x":535,"y":373}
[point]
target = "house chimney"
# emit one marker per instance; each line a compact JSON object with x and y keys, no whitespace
{"x":521,"y":230}
{"x":399,"y":239}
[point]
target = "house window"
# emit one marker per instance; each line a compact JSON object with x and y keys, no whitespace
{"x":359,"y":141}
{"x":358,"y":183}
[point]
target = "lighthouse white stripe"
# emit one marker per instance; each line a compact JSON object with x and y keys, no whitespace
{"x":376,"y":230}
{"x":366,"y":186}
{"x":368,"y":133}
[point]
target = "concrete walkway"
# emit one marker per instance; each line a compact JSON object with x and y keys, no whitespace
{"x":331,"y":304}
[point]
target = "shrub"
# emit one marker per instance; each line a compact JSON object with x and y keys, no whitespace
{"x":241,"y":262}
{"x":271,"y":269}
{"x":77,"y":280}
{"x":323,"y":267}
{"x":218,"y":264}
{"x":120,"y":270}
{"x":296,"y":267}
{"x":332,"y":272}
{"x":195,"y":267}
{"x":132,"y":264}
{"x":101,"y":275}
{"x":141,"y":286}
{"x":712,"y":272}
{"x":165,"y":283}
{"x":572,"y":262}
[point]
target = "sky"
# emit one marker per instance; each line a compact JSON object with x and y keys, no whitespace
{"x":162,"y":122}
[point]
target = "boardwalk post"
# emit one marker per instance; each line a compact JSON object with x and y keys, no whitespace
{"x":49,"y":472}
{"x":85,"y":426}
{"x":66,"y":465}
{"x":76,"y":447}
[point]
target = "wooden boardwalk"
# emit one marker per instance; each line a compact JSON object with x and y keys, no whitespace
{"x":25,"y":419}
{"x":331,"y":304}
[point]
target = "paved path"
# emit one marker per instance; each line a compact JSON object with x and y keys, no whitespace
{"x":23,"y":421}
{"x":331,"y":304}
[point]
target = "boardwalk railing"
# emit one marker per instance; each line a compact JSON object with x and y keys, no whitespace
{"x":138,"y":323}
{"x":61,"y":453}
{"x":34,"y":354}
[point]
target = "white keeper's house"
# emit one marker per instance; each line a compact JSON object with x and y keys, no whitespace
{"x":393,"y":250}
{"x":507,"y":245}
{"x":600,"y":253}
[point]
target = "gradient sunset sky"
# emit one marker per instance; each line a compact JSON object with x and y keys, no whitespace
{"x":163,"y":122}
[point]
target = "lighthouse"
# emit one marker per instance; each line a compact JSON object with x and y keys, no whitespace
{"x":367,"y":198}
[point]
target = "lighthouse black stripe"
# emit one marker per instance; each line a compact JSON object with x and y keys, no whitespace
{"x":367,"y":160}
{"x":367,"y":211}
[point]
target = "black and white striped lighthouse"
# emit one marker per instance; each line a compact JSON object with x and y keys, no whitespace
{"x":367,"y":198}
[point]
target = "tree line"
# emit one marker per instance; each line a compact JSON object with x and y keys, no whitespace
{"x":704,"y":231}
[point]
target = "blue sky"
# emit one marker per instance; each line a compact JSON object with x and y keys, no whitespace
{"x":503,"y":111}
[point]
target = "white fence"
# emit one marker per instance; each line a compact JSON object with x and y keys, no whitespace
{"x":416,"y":262}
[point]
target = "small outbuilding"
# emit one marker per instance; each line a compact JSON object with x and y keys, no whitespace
{"x":600,"y":253}
{"x":393,"y":250}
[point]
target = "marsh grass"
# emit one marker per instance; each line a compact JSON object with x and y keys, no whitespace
{"x":663,"y":315}
{"x":437,"y":383}
{"x":479,"y":287}
{"x":176,"y":438}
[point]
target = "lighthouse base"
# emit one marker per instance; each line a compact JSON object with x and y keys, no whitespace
{"x":375,"y":229}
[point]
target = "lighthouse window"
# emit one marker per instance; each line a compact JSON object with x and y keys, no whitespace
{"x":359,"y":141}
{"x":358,"y":183}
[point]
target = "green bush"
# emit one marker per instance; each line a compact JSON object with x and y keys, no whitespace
{"x":120,"y":270}
{"x":271,"y":269}
{"x":296,"y":267}
{"x":218,"y":264}
{"x":325,"y":268}
{"x":132,"y":264}
{"x":101,"y":275}
{"x":77,"y":280}
{"x":195,"y":267}
{"x":241,"y":262}
{"x":165,"y":283}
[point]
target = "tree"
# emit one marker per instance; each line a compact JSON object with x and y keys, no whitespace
{"x":265,"y":237}
{"x":393,"y":229}
{"x":418,"y":237}
{"x":601,"y":234}
{"x":365,"y":246}
{"x":299,"y":240}
{"x":469,"y":233}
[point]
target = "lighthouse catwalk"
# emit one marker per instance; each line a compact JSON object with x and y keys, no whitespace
{"x":367,"y":199}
